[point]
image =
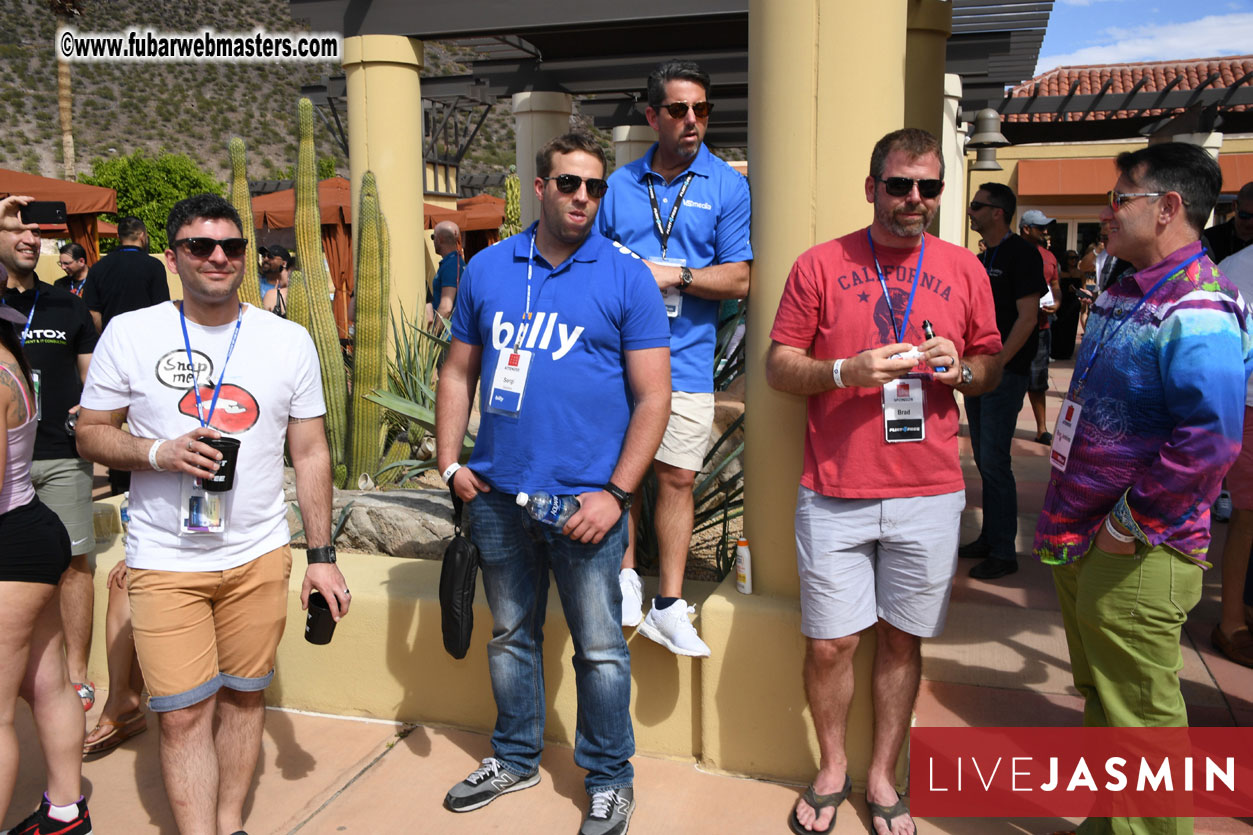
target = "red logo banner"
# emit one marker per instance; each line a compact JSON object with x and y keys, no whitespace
{"x":1093,"y":772}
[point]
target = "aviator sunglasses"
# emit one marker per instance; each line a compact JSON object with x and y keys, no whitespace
{"x":1118,"y":198}
{"x":203,"y":247}
{"x":569,"y":184}
{"x":678,"y":109}
{"x":902,"y":186}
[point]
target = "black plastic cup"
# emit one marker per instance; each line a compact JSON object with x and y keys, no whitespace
{"x":319,"y":625}
{"x":224,"y":478}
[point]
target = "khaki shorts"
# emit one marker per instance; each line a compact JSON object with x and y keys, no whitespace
{"x":64,"y":485}
{"x":199,"y":631}
{"x":687,"y":433}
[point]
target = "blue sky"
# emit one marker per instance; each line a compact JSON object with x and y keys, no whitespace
{"x":1123,"y":31}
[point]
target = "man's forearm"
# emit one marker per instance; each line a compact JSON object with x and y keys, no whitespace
{"x":797,"y":373}
{"x":314,"y":495}
{"x":643,"y":436}
{"x":452,"y":416}
{"x":1018,"y":335}
{"x":986,"y":369}
{"x":113,"y":447}
{"x":720,"y":281}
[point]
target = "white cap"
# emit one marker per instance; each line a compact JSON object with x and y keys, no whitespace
{"x":1035,"y":217}
{"x":522,"y":499}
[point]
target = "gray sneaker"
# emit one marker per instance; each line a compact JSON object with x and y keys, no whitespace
{"x":610,"y":812}
{"x":486,"y":783}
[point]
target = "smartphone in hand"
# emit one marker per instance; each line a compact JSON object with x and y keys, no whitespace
{"x":44,"y":211}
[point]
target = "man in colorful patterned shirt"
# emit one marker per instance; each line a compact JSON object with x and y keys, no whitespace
{"x":1151,"y":423}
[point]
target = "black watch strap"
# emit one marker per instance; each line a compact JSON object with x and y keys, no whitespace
{"x":324,"y":553}
{"x":623,"y":497}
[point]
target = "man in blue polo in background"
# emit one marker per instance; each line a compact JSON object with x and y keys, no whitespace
{"x":448,"y":275}
{"x":686,"y":212}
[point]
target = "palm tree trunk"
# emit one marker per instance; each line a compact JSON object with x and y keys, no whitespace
{"x":65,"y":106}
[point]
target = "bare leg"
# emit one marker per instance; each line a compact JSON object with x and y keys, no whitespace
{"x":189,"y":766}
{"x":829,"y":689}
{"x":56,"y":707}
{"x":1037,"y":408}
{"x":20,"y":604}
{"x":897,"y":671}
{"x":125,"y":680}
{"x":673,"y":519}
{"x":238,"y":739}
{"x":1235,"y":565}
{"x":628,"y":556}
{"x":77,"y":604}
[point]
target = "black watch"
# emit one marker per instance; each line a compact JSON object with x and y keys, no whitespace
{"x":685,"y":278}
{"x":623,"y":497}
{"x":325,"y":553}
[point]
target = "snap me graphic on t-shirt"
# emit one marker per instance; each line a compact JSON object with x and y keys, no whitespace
{"x":174,"y":371}
{"x":539,"y":334}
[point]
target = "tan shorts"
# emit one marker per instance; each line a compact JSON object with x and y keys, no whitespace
{"x":687,"y":433}
{"x":199,"y":631}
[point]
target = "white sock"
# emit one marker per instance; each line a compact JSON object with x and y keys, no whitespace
{"x":65,"y":814}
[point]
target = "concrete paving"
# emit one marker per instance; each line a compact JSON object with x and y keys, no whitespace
{"x":1001,"y":662}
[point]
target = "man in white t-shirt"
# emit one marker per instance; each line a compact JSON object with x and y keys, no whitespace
{"x":209,"y":571}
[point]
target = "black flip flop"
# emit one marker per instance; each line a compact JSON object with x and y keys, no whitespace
{"x":886,"y":813}
{"x":818,"y":802}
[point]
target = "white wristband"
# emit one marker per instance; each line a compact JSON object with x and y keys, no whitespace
{"x":835,"y":372}
{"x":152,"y":455}
{"x":452,"y":469}
{"x":1117,"y":534}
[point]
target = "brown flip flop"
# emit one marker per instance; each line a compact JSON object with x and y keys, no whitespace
{"x":118,"y":732}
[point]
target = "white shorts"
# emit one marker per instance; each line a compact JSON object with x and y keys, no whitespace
{"x":864,"y":559}
{"x":687,"y":433}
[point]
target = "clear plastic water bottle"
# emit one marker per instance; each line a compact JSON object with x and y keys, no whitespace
{"x":549,"y":509}
{"x":125,"y":509}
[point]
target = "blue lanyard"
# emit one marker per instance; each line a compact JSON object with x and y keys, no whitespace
{"x":191,"y":364}
{"x":994,"y":251}
{"x":30,"y":318}
{"x":1105,"y":339}
{"x":909,"y":305}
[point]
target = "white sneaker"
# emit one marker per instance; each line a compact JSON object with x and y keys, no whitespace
{"x":672,"y":628}
{"x":632,"y":597}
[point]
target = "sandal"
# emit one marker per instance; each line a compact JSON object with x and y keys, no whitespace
{"x":86,"y":691}
{"x":116,"y":733}
{"x":887,"y":814}
{"x":818,"y":802}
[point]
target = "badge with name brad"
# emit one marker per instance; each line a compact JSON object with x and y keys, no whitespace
{"x":903,"y":418}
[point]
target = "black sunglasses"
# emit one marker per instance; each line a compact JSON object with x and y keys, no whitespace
{"x":678,"y":109}
{"x":569,"y":184}
{"x":203,"y":247}
{"x":902,"y":186}
{"x":1243,"y":215}
{"x":976,"y":205}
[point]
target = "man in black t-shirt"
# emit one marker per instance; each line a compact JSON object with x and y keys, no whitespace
{"x":73,"y":259}
{"x":58,"y":340}
{"x":1016,"y":273}
{"x":127,"y":278}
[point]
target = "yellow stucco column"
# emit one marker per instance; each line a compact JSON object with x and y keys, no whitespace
{"x":827,"y":80}
{"x":538,"y":116}
{"x":930,"y":22}
{"x":952,"y":222}
{"x":630,"y":142}
{"x":385,"y":136}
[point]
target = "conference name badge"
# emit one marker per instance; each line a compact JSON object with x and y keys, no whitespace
{"x":672,"y":296}
{"x":904,"y":420}
{"x":509,"y":383}
{"x":1064,"y":434}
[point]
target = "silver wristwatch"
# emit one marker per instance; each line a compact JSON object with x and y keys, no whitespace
{"x":968,"y":376}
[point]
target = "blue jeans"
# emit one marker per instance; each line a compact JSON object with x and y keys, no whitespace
{"x":517,"y":554}
{"x":992,"y":418}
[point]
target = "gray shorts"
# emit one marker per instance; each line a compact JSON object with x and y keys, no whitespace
{"x":1038,"y":379}
{"x":64,"y":485}
{"x":864,"y":559}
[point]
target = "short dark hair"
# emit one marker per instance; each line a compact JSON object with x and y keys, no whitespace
{"x":1245,"y":192}
{"x":129,"y":227}
{"x":565,"y":144}
{"x":1180,"y":167}
{"x":676,"y":69}
{"x":200,"y":207}
{"x":75,"y":251}
{"x":1002,"y":198}
{"x":912,"y":141}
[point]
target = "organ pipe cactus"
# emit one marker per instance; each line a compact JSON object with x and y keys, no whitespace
{"x":298,"y":299}
{"x":316,"y":300}
{"x":241,"y":199}
{"x":513,"y":205}
{"x":369,"y":366}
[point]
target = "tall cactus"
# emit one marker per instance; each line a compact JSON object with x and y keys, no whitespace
{"x":298,"y":299}
{"x":241,"y":199}
{"x":316,"y":285}
{"x":513,"y":205}
{"x":369,"y":361}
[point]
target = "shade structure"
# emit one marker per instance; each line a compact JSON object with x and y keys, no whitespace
{"x":82,"y":204}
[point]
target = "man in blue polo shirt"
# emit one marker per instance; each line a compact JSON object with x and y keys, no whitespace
{"x":566,"y":337}
{"x":686,"y":212}
{"x":444,"y":286}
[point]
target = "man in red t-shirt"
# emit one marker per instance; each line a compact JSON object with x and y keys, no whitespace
{"x":877,"y":329}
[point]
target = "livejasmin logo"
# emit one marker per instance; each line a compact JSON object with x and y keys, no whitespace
{"x":1023,"y":774}
{"x":536,"y":334}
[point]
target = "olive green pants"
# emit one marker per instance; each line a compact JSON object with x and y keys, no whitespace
{"x":1123,"y":616}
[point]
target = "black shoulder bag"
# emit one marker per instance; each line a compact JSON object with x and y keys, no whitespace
{"x":456,"y":586}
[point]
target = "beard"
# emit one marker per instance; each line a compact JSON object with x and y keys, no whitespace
{"x":892,"y":219}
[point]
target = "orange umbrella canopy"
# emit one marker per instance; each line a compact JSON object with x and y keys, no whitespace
{"x":79,"y":198}
{"x":277,"y":210}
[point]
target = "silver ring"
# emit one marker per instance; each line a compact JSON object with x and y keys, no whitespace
{"x":347,"y":593}
{"x":189,"y":443}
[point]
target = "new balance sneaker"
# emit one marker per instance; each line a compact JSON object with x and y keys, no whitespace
{"x":672,"y":628}
{"x":610,"y":812}
{"x":632,"y":597}
{"x":486,"y":783}
{"x":40,"y":821}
